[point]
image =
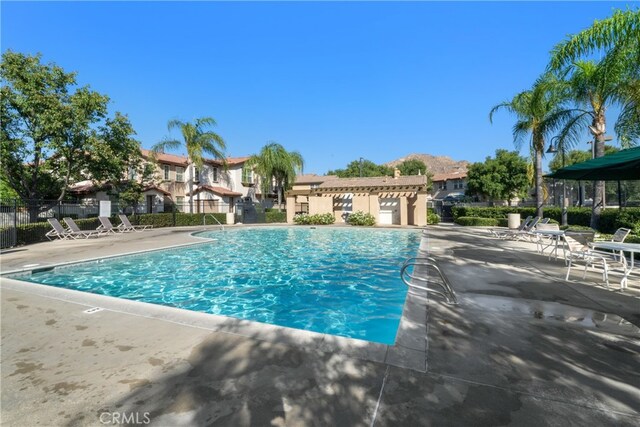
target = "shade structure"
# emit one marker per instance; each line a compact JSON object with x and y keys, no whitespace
{"x":621,"y":166}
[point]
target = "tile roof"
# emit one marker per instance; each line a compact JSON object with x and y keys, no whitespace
{"x":174,"y":159}
{"x":154,"y":187}
{"x":449,"y":175}
{"x":312,"y":178}
{"x":171,"y":159}
{"x":378,"y":181}
{"x":221,"y":191}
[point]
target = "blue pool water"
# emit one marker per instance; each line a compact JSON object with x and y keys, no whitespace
{"x":340,"y":281}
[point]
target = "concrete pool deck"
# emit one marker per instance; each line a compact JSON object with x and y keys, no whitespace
{"x":522,"y":348}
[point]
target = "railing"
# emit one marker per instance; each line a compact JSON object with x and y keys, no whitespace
{"x":411,"y":279}
{"x":204,"y":222}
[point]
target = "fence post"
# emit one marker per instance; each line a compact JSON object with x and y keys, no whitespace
{"x":174,"y":214}
{"x":59,"y":209}
{"x":14,"y":234}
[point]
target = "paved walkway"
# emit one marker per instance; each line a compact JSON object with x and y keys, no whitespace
{"x":522,"y":348}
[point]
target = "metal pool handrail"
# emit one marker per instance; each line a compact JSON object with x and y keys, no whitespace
{"x":409,"y":279}
{"x":204,"y":222}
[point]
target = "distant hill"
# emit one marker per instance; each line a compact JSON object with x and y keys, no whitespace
{"x":435,"y":164}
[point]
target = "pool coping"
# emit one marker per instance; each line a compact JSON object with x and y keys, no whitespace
{"x":408,"y":351}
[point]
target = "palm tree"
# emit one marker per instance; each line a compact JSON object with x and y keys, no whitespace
{"x":594,"y":86}
{"x":276,"y":165}
{"x":614,"y":80}
{"x":537,"y":111}
{"x":198,"y":141}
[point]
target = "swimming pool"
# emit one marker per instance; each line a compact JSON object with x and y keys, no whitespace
{"x":340,"y":281}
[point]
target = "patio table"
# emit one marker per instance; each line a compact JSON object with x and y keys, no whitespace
{"x":555,"y":235}
{"x":621,"y":247}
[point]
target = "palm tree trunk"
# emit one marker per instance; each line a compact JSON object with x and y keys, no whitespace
{"x":598,"y":187}
{"x":539,"y":198}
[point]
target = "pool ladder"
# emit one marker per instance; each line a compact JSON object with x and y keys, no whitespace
{"x":418,"y":275}
{"x":204,"y":220}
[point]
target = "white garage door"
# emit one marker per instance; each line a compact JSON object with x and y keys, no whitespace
{"x":386,"y":217}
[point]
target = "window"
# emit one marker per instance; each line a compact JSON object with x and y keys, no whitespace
{"x":196,"y":174}
{"x":442,"y":185}
{"x":458,"y":184}
{"x":180,"y":203}
{"x":215,"y":174}
{"x":247,"y":176}
{"x":166,"y":172}
{"x":179,"y":174}
{"x":131,"y":173}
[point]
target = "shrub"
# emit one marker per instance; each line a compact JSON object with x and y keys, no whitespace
{"x":272,"y":216}
{"x":433,"y":218}
{"x":361,"y":218}
{"x":476,"y":221}
{"x":317,"y":219}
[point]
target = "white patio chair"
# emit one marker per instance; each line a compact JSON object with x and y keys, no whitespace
{"x":81,"y":233}
{"x":525,"y":233}
{"x":577,"y":243}
{"x":125,"y":225}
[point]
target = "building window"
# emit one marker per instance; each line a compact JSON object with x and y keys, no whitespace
{"x":215,"y":174}
{"x":442,"y":185}
{"x":458,"y":184}
{"x":132,"y":173}
{"x":180,"y":203}
{"x":196,"y":174}
{"x":179,"y":174}
{"x":247,"y":176}
{"x":166,"y":172}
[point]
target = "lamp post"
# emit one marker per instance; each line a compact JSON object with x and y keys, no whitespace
{"x":554,"y":149}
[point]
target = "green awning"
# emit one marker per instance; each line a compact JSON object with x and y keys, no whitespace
{"x":621,"y":166}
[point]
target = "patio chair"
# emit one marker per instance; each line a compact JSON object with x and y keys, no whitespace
{"x":524,"y":233}
{"x":125,"y":225}
{"x":105,"y":225}
{"x":543,"y":241}
{"x":58,"y":231}
{"x":81,"y":233}
{"x":619,"y":236}
{"x":500,"y":232}
{"x":577,"y":243}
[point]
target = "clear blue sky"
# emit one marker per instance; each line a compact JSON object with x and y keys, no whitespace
{"x":334,"y":81}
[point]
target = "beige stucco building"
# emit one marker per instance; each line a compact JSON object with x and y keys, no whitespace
{"x":400,"y":200}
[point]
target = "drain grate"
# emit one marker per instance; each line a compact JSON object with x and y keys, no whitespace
{"x":93,"y":310}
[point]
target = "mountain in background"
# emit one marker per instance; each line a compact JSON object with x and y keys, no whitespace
{"x":435,"y":164}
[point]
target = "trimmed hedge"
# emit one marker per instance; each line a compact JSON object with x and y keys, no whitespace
{"x":476,"y":221}
{"x":275,"y":216}
{"x":610,"y":219}
{"x":433,"y":218}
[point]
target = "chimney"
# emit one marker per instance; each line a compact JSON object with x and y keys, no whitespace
{"x":396,"y":173}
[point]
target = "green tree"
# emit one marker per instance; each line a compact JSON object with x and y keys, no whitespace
{"x":52,"y":133}
{"x":362,"y":168}
{"x":538,"y":113}
{"x":412,"y":167}
{"x":130,"y":191}
{"x":595,"y":86}
{"x":198,"y":140}
{"x":275,"y":165}
{"x":503,"y":177}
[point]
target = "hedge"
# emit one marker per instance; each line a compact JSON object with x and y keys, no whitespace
{"x":610,"y":219}
{"x":317,"y":219}
{"x":476,"y":221}
{"x":433,"y":218}
{"x":361,"y":218}
{"x":272,"y":216}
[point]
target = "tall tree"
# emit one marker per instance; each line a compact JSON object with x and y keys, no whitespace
{"x":52,"y":133}
{"x":362,"y":168}
{"x":412,"y":167}
{"x":198,"y":140}
{"x":538,"y":113}
{"x":503,"y":177}
{"x":595,"y":86}
{"x":274,"y":164}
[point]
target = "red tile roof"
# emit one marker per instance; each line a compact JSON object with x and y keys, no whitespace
{"x":449,"y":175}
{"x":216,"y":190}
{"x":174,"y":159}
{"x":156,"y":188}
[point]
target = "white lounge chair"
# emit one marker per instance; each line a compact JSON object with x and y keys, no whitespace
{"x":81,"y":233}
{"x":501,"y":232}
{"x":524,"y":232}
{"x":126,"y":225}
{"x":105,"y":225}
